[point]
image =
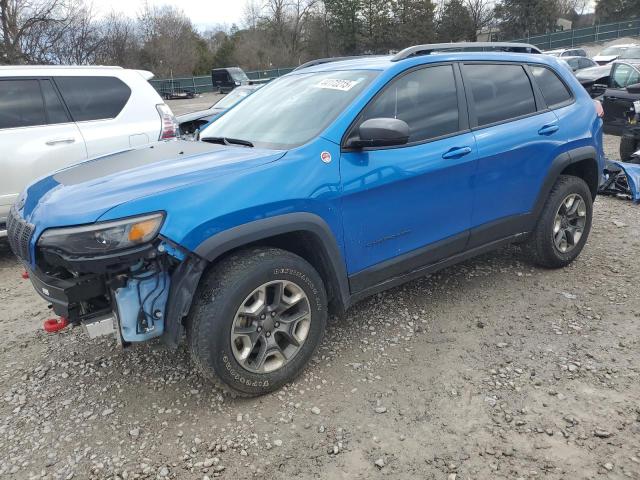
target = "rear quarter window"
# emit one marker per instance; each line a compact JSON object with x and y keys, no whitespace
{"x":554,"y":91}
{"x":93,"y":98}
{"x":500,"y":92}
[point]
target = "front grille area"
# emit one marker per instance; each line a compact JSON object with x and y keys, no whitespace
{"x":19,"y":233}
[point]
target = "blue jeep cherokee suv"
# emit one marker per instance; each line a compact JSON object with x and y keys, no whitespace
{"x":334,"y":182}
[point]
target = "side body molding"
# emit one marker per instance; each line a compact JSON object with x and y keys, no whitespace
{"x":299,"y":222}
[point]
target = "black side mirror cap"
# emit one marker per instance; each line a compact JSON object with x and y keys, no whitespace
{"x":381,"y":132}
{"x":634,"y":89}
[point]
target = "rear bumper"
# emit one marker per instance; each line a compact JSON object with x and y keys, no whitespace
{"x":65,"y":295}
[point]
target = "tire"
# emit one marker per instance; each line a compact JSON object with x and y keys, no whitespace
{"x":234,"y":287}
{"x":628,"y":146}
{"x":541,"y":245}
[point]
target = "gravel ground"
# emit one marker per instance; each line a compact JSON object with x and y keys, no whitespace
{"x":489,"y":369}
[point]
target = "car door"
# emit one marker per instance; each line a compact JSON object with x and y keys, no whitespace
{"x":36,"y":134}
{"x":616,"y":101}
{"x":95,"y":102}
{"x":516,"y":144}
{"x":410,"y":205}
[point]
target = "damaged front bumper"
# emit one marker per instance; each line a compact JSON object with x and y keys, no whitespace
{"x":136,"y":295}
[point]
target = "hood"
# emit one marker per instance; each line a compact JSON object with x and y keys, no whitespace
{"x":84,"y":192}
{"x":603,"y":59}
{"x":200,"y":114}
{"x":593,"y":73}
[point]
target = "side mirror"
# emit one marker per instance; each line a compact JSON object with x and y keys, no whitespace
{"x":381,"y":132}
{"x":597,"y":89}
{"x":634,"y":89}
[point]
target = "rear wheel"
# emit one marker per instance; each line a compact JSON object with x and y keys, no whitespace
{"x":564,"y":224}
{"x":258,"y":317}
{"x":628,"y":146}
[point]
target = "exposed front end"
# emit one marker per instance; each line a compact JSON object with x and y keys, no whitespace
{"x":116,"y":277}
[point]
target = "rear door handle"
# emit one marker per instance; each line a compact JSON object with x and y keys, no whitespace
{"x":60,"y":140}
{"x":548,"y":129}
{"x":457,"y":152}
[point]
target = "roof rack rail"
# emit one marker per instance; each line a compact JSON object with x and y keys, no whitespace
{"x":430,"y":48}
{"x":320,"y":61}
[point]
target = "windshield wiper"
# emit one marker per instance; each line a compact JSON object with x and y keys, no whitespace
{"x":227,"y":141}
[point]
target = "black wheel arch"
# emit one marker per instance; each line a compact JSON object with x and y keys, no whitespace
{"x":303,"y":233}
{"x":580,"y":162}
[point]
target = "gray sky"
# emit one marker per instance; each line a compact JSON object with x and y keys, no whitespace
{"x":203,"y":13}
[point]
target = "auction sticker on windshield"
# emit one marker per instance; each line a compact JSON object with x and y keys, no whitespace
{"x":337,"y":84}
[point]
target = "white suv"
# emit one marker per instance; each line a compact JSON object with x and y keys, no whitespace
{"x":52,"y":117}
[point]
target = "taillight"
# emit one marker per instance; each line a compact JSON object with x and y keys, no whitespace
{"x":169,"y":125}
{"x":599,"y":109}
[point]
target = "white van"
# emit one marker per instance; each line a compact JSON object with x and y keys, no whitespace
{"x":54,"y":116}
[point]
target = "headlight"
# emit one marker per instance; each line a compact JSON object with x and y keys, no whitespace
{"x":103,"y":237}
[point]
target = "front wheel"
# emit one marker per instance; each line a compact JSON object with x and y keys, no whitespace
{"x":564,"y":224}
{"x":257,"y":319}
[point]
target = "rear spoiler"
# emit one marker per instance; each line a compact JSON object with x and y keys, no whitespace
{"x":146,"y":74}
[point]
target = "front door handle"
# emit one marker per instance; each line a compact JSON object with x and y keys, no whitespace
{"x":549,"y":129}
{"x":61,"y":140}
{"x":456,"y":152}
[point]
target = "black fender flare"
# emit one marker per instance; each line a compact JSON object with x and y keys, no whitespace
{"x":559,"y":163}
{"x":247,"y":233}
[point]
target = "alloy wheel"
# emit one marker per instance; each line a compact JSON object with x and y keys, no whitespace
{"x":570,"y":220}
{"x":270,"y":326}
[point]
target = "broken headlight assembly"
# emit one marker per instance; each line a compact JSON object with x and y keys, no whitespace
{"x":105,"y":237}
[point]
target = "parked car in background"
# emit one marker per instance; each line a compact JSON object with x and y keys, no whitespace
{"x":53,"y":117}
{"x":192,"y":123}
{"x":579,"y":63}
{"x":328,"y":185}
{"x":615,"y":52}
{"x":226,"y":79}
{"x":594,"y":79}
{"x":620,"y":94}
{"x":567,"y":52}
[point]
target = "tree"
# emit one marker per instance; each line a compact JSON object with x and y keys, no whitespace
{"x":414,"y":21}
{"x":455,"y":23}
{"x":482,"y":14}
{"x":120,"y":43}
{"x":168,"y":41}
{"x":519,"y":18}
{"x":376,"y":25}
{"x":344,"y":25}
{"x":29,"y":29}
{"x":617,"y":10}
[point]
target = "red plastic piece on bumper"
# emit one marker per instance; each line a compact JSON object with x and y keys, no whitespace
{"x":53,"y":325}
{"x":25,"y":275}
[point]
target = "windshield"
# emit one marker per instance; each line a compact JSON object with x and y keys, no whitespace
{"x":292,"y":110}
{"x":611,"y":51}
{"x":238,"y":74}
{"x":632,"y":52}
{"x":233,"y":97}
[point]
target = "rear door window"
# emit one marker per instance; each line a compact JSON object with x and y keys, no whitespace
{"x":426,"y":99}
{"x":500,"y":92}
{"x":21,"y":104}
{"x":56,"y":113}
{"x":93,"y":98}
{"x":554,"y":91}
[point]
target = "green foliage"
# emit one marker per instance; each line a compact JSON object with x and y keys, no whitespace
{"x":414,"y":21}
{"x":455,"y":23}
{"x":344,"y":24}
{"x":617,"y":10}
{"x":521,"y":17}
